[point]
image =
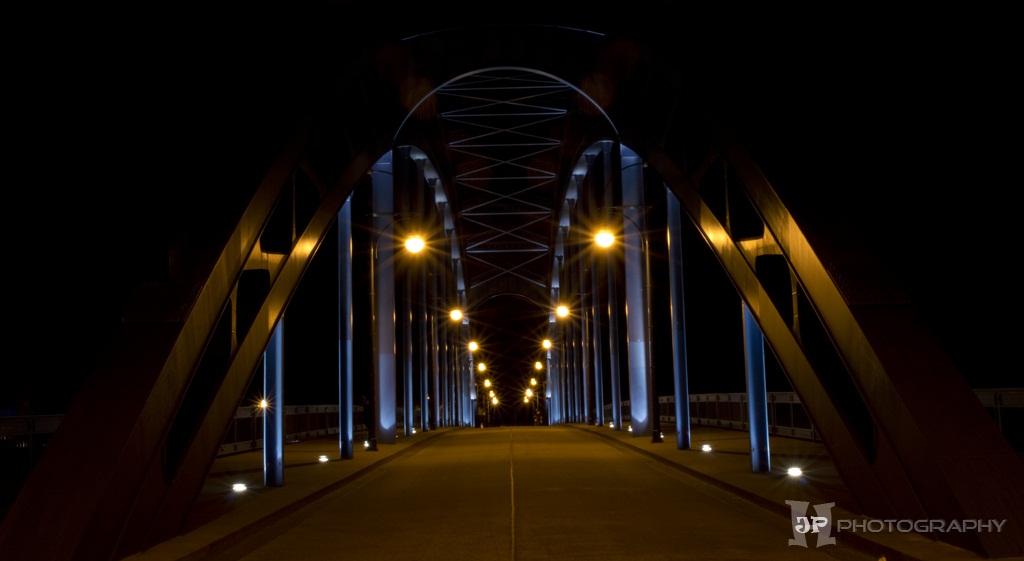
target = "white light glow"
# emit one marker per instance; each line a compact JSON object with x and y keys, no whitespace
{"x":705,"y":448}
{"x":323,"y":457}
{"x":238,"y":487}
{"x":415,"y":244}
{"x":794,"y":471}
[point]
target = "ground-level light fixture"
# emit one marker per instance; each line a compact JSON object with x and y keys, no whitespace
{"x":238,"y":487}
{"x":794,"y":472}
{"x":323,"y":457}
{"x":705,"y":448}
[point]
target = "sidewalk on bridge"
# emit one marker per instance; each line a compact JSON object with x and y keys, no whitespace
{"x":728,"y":466}
{"x":224,"y":519}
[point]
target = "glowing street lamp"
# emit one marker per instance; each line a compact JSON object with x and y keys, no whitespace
{"x":604,"y":238}
{"x":415,"y":243}
{"x":456,"y":314}
{"x":473,"y":346}
{"x":538,"y":365}
{"x":562,"y":310}
{"x":481,"y":367}
{"x":546,"y":343}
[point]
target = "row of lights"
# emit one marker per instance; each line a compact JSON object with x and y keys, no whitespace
{"x":414,"y":244}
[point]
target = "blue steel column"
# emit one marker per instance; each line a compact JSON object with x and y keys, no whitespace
{"x":408,"y":353}
{"x":273,"y":413}
{"x":383,"y":280}
{"x":345,"y":428}
{"x":468,"y":384}
{"x":426,"y":319}
{"x":613,"y":270}
{"x":678,"y":311}
{"x":583,"y":261}
{"x":757,"y":396}
{"x":437,"y":321}
{"x":597,"y":363}
{"x":425,"y":190}
{"x":637,"y":332}
{"x":437,"y":342}
{"x":441,"y":395}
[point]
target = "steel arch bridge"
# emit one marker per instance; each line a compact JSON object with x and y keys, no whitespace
{"x":509,"y":143}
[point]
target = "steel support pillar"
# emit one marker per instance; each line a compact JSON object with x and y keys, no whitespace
{"x":597,"y":362}
{"x":273,"y":412}
{"x":641,"y":379}
{"x":345,"y":332}
{"x":408,"y":354}
{"x":382,"y":277}
{"x":613,"y":272}
{"x":757,"y":396}
{"x":677,"y":308}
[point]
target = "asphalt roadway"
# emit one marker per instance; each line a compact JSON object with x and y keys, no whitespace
{"x":530,"y":493}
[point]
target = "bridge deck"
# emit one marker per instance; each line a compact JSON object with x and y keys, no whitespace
{"x":563,"y":492}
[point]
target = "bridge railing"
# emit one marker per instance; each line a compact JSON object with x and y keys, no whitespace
{"x":24,"y":438}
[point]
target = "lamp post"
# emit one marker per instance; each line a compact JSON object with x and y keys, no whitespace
{"x":605,"y":238}
{"x":413,"y":244}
